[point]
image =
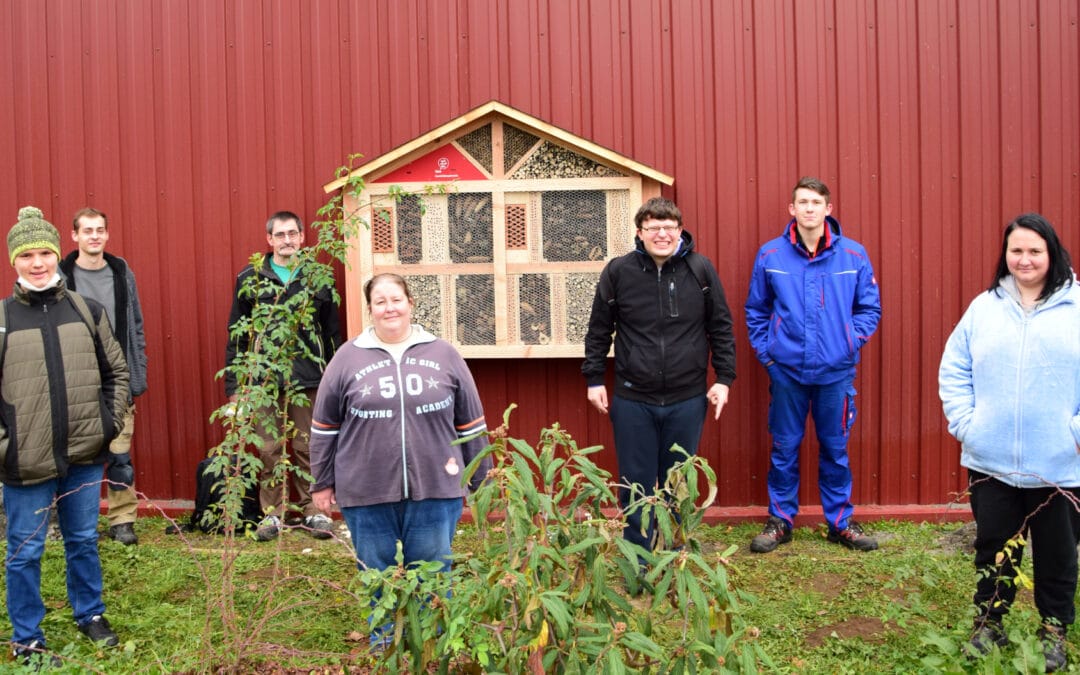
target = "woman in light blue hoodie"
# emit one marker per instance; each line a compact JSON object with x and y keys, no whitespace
{"x":1010,"y":386}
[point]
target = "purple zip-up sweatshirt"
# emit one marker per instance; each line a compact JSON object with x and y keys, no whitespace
{"x":382,"y":430}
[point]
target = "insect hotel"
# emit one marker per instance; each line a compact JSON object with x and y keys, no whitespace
{"x":501,"y":224}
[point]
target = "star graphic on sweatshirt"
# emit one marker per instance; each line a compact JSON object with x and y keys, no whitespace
{"x":432,"y":383}
{"x":365,"y":390}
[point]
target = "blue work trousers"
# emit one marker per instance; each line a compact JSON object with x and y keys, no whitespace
{"x":27,"y":506}
{"x":833,"y":410}
{"x":644,"y":434}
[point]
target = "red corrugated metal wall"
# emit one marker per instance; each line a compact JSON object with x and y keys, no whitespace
{"x":189,"y":122}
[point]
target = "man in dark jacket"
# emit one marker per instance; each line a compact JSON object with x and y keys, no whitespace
{"x":284,"y":279}
{"x":813,"y":303}
{"x":107,"y":278}
{"x":63,"y":397}
{"x":668,"y":313}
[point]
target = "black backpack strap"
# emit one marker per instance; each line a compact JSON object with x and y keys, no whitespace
{"x":605,"y":287}
{"x":3,"y":333}
{"x":696,"y":263}
{"x":79,"y":303}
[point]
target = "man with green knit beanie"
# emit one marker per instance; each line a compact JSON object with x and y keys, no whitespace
{"x":64,"y":394}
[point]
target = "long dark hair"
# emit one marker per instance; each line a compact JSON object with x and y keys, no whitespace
{"x":1060,"y":272}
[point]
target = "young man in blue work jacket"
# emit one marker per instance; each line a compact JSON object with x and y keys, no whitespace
{"x":813,"y":303}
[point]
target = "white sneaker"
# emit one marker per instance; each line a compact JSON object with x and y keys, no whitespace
{"x":319,"y":526}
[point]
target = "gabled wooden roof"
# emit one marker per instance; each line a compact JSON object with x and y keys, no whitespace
{"x":481,"y":115}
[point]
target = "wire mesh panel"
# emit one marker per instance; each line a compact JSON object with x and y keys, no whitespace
{"x":470,"y":227}
{"x":474,"y":302}
{"x":515,"y":144}
{"x":477,"y":144}
{"x":410,"y":230}
{"x":575,"y":225}
{"x":534,"y":309}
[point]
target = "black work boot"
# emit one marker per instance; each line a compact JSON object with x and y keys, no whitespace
{"x":124,"y":533}
{"x":776,"y":532}
{"x":1053,"y":644}
{"x":854,"y":537}
{"x":988,"y":632}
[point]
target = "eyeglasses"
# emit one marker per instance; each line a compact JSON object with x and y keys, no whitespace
{"x":291,"y":234}
{"x":653,"y":229}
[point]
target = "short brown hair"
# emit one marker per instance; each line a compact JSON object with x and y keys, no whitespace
{"x":658,"y":208}
{"x":88,"y":212}
{"x":811,"y":183}
{"x":386,"y":276}
{"x":284,"y":217}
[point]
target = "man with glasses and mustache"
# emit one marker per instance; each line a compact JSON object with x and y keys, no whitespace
{"x":666,"y":308}
{"x":284,"y":277}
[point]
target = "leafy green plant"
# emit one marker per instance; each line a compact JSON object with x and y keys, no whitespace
{"x":554,"y":588}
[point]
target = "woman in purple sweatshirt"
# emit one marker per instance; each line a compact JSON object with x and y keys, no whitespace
{"x":391,"y":403}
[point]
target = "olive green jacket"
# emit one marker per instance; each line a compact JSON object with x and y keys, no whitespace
{"x":63,"y":385}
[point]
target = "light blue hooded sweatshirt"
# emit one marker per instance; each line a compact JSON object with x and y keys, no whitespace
{"x":1010,"y":386}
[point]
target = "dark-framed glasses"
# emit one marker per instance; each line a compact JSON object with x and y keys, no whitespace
{"x":653,"y":229}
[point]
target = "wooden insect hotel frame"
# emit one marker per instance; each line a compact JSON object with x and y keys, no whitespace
{"x":503,"y":229}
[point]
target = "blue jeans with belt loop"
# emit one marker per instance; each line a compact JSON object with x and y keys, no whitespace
{"x":424,"y":527}
{"x":27,"y":510}
{"x":833,"y":409}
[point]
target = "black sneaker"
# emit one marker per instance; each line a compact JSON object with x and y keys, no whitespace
{"x":124,"y":533}
{"x":1053,"y":644}
{"x":36,"y":655}
{"x":988,"y":633}
{"x":776,"y":532}
{"x":268,"y":529}
{"x":99,"y":631}
{"x":853,"y":537}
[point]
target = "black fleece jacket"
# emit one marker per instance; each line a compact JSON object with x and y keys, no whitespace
{"x":663,"y":333}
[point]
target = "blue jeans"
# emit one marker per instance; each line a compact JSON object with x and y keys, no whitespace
{"x":833,"y":409}
{"x":644,"y":434}
{"x":425,"y":529}
{"x":27,"y":508}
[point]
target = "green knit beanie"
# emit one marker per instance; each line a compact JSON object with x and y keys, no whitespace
{"x":32,"y":231}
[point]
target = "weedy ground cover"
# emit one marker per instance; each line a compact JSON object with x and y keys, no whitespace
{"x":814,"y":607}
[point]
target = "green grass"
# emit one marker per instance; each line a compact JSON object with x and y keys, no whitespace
{"x":816,"y":607}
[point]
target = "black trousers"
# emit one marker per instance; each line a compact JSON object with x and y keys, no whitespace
{"x":1049,"y":517}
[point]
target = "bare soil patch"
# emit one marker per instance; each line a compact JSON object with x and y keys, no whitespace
{"x":869,"y":629}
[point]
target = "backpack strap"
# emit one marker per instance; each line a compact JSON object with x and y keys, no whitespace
{"x":79,"y":303}
{"x":605,"y":287}
{"x":3,"y":333}
{"x":696,"y":262}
